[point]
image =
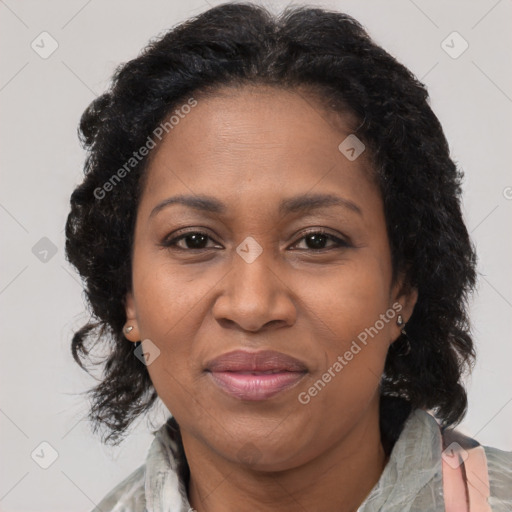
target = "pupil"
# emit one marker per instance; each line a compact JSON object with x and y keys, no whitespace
{"x":197,"y":240}
{"x":317,"y":241}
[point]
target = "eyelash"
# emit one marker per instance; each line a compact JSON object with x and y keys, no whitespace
{"x":171,"y":244}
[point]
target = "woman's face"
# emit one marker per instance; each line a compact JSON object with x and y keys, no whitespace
{"x":248,"y":271}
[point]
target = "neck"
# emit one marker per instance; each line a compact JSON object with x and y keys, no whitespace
{"x":337,"y":480}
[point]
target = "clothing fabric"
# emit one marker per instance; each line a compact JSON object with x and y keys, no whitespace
{"x":411,"y":481}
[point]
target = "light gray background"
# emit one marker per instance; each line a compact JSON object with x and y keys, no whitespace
{"x":41,"y":162}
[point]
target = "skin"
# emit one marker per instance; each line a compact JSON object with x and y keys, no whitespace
{"x":251,"y":148}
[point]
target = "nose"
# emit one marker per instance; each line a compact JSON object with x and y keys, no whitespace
{"x":254,"y":296}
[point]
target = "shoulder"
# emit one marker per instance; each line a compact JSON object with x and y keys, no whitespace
{"x":499,"y":464}
{"x":127,"y":496}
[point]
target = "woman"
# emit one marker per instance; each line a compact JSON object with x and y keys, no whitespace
{"x":271,"y":239}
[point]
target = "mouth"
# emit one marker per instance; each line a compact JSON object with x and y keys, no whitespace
{"x":255,"y":376}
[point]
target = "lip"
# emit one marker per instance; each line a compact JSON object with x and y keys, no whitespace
{"x":255,"y":375}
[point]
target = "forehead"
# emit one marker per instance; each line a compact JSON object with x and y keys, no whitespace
{"x":255,"y":143}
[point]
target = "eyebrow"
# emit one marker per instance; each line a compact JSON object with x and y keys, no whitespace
{"x":298,"y":204}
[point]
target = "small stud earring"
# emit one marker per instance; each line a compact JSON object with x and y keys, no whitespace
{"x":128,"y":329}
{"x":407,"y":349}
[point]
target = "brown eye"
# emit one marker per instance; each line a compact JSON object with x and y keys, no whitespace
{"x":316,"y":241}
{"x":198,"y":240}
{"x":193,"y":240}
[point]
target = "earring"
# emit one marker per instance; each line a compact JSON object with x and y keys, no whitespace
{"x":128,"y":329}
{"x":400,"y":322}
{"x":407,"y":349}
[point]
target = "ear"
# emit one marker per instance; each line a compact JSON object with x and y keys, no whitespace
{"x":131,"y":319}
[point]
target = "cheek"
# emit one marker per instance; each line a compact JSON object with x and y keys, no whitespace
{"x":166,"y":295}
{"x":355,"y":318}
{"x":351,"y":297}
{"x":168,"y":303}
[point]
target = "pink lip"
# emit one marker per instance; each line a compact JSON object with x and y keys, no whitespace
{"x":255,"y":375}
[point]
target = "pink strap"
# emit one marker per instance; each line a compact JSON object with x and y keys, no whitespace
{"x":461,"y":467}
{"x":477,"y":477}
{"x":455,"y":499}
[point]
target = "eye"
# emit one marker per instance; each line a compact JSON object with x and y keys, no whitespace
{"x":198,"y":240}
{"x":317,"y":239}
{"x":192,"y":240}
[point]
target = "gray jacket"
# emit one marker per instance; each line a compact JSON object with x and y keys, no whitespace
{"x":411,"y":481}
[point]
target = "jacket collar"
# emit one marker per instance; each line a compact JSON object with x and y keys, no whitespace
{"x":414,"y":466}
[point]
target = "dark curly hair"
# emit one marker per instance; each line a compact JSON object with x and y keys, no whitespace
{"x":331,"y":55}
